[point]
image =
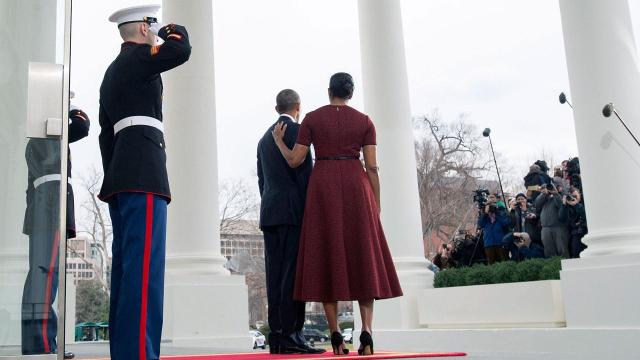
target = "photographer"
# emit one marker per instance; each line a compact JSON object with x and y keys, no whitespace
{"x":443,"y":259}
{"x":555,"y":236}
{"x":525,"y":219}
{"x":521,"y":248}
{"x":497,"y":199}
{"x":572,"y":213}
{"x":560,"y":182}
{"x":536,"y":177}
{"x":493,"y":220}
{"x":573,"y":173}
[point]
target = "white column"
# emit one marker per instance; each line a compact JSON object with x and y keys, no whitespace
{"x":29,"y":33}
{"x":386,"y":100}
{"x":204,"y":305}
{"x":602,"y":61}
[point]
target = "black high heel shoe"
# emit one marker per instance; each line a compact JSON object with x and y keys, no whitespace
{"x":366,"y":344}
{"x":337,"y":342}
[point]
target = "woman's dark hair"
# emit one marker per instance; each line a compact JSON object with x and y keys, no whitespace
{"x":341,"y":85}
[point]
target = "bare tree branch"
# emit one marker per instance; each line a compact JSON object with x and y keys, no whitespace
{"x":450,"y":164}
{"x":237,"y":202}
{"x":95,"y":222}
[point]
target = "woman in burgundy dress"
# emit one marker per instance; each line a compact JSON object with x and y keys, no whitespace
{"x":343,"y":252}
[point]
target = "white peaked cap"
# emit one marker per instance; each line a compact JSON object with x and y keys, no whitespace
{"x":134,"y":14}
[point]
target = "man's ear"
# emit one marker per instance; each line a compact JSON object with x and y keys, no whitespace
{"x":276,"y":108}
{"x":143,"y":29}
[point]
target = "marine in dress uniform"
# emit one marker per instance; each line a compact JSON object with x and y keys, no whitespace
{"x":41,"y":224}
{"x":283,"y":191}
{"x":135,"y":182}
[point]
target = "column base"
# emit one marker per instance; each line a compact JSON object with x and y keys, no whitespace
{"x":618,"y":242}
{"x":601,"y":292}
{"x":209,"y":310}
{"x":548,"y":344}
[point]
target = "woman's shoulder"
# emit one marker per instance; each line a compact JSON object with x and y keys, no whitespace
{"x":356,"y":113}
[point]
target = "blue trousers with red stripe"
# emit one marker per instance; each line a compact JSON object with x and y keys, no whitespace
{"x":137,"y":275}
{"x":39,"y":320}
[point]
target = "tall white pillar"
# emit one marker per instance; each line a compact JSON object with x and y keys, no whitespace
{"x":204,"y":305}
{"x":603,"y":65}
{"x":29,"y":32}
{"x":386,"y":100}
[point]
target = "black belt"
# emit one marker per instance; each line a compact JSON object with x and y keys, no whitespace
{"x":338,"y":158}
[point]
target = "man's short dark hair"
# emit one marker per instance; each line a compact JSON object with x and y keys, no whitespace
{"x":286,"y":100}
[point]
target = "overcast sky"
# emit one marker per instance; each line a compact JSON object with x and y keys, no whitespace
{"x":501,"y":62}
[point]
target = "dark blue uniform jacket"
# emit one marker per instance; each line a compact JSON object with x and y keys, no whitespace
{"x":134,"y":159}
{"x":43,"y":158}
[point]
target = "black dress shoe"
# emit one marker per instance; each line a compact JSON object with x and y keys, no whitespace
{"x":300,"y":349}
{"x":274,"y":343}
{"x":312,"y":350}
{"x":69,"y":355}
{"x":274,"y":349}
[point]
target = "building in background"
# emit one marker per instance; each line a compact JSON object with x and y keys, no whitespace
{"x":242,"y":244}
{"x":85,"y":261}
{"x":243,"y":236}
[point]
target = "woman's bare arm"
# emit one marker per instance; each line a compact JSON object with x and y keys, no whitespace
{"x":371,"y":166}
{"x":294,"y":157}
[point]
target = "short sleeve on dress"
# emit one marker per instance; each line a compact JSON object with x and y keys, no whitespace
{"x":304,"y":134}
{"x":370,"y":134}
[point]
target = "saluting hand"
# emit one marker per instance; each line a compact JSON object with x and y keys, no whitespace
{"x":278,"y":131}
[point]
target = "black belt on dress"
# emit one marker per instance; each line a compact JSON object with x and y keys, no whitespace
{"x":338,"y":158}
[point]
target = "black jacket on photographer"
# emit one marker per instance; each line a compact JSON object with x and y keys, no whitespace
{"x":536,"y":178}
{"x":576,"y":219}
{"x":520,"y":222}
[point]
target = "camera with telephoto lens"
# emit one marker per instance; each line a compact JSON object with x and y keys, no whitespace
{"x":570,"y":198}
{"x":481,"y":198}
{"x":549,"y":187}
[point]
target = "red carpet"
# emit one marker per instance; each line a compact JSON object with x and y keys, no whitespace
{"x":353,"y":355}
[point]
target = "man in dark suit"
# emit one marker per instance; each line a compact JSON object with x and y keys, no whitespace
{"x":283,"y":192}
{"x":136,"y":184}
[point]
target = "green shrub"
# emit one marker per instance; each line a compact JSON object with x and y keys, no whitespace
{"x":551,"y":269}
{"x":500,"y":273}
{"x":480,"y":275}
{"x":504,"y":272}
{"x":528,"y":270}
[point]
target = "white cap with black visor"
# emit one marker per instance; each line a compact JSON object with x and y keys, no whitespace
{"x":140,"y":13}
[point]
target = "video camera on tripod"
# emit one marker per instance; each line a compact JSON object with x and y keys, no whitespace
{"x":481,"y":198}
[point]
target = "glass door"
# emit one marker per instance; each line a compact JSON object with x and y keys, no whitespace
{"x":34,"y":106}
